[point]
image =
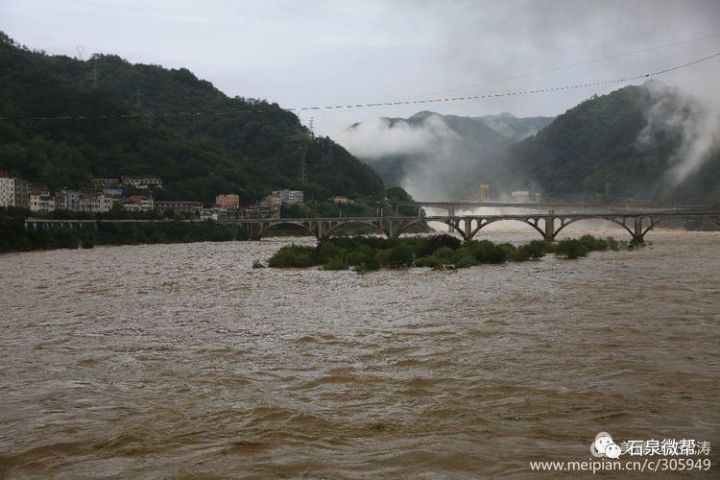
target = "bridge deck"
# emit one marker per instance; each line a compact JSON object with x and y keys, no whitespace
{"x":429,"y":218}
{"x":460,"y":205}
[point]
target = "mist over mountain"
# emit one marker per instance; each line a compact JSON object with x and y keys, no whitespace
{"x":648,"y":142}
{"x":145,"y":119}
{"x":515,"y":128}
{"x":435,"y":156}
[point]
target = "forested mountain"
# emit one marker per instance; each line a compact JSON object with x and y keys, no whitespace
{"x":648,"y":142}
{"x":143,"y":119}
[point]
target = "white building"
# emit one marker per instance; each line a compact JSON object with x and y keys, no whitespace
{"x":137,"y":203}
{"x":105,"y":182}
{"x":95,"y":203}
{"x":142,"y":182}
{"x":520,"y":196}
{"x":208,"y":214}
{"x":179,"y":206}
{"x":67,"y":200}
{"x":289,"y":197}
{"x":7,"y":192}
{"x":41,"y":201}
{"x":14,"y":192}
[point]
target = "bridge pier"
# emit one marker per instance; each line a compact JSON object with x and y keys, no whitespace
{"x":467,"y":231}
{"x":320,"y":229}
{"x":549,"y":230}
{"x":638,"y":235}
{"x":254,"y":230}
{"x":391,"y":228}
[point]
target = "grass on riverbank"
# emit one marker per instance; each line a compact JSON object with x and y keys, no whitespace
{"x":364,"y":254}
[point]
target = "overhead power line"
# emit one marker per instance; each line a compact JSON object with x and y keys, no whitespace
{"x":511,"y":93}
{"x":624,"y":79}
{"x":566,"y":66}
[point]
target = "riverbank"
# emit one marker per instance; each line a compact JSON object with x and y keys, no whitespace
{"x":14,"y":237}
{"x":364,"y":254}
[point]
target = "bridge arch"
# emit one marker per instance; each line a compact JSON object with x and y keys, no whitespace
{"x":265,"y":227}
{"x":532,"y":221}
{"x":334,"y":228}
{"x":411,"y":223}
{"x":619,"y":220}
{"x":570,"y":221}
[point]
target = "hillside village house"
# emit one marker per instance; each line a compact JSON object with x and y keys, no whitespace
{"x":228,"y":201}
{"x":105,"y":182}
{"x":180,"y":206}
{"x":41,"y":200}
{"x":14,"y":192}
{"x":142,"y":182}
{"x":67,"y":200}
{"x":138,"y":203}
{"x":95,"y":203}
{"x":289,"y":197}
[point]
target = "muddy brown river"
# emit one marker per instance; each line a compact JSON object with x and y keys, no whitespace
{"x":182,"y":361}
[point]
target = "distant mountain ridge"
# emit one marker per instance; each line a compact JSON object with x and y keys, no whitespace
{"x":515,"y":128}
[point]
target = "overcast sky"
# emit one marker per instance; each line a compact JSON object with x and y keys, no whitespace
{"x":328,"y":52}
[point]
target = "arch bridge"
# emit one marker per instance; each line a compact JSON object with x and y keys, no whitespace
{"x":637,"y":224}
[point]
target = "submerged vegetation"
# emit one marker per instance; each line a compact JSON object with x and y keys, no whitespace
{"x":364,"y":254}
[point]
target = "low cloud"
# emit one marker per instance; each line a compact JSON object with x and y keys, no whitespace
{"x":696,"y":122}
{"x":424,"y":154}
{"x":384,"y":137}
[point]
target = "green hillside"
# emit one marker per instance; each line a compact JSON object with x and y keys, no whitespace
{"x":597,"y":148}
{"x":233,"y":145}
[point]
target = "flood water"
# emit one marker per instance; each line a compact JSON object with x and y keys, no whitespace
{"x":182,"y":361}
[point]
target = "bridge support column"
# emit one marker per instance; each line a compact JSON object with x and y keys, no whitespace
{"x":549,"y":234}
{"x":467,"y":230}
{"x":638,"y":236}
{"x":392,"y":229}
{"x":451,"y":214}
{"x":320,"y":229}
{"x":254,"y":230}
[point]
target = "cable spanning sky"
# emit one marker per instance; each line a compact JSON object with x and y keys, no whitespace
{"x":328,"y":52}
